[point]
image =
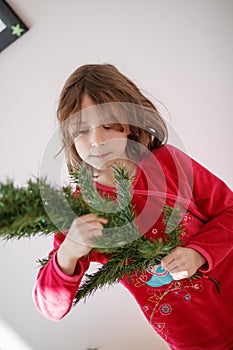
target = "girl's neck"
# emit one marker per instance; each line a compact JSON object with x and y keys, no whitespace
{"x":106,"y":176}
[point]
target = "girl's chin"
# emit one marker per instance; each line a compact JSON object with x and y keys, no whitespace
{"x":101,"y":164}
{"x":104,"y":164}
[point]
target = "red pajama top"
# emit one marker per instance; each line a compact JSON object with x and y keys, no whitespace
{"x":189,"y":314}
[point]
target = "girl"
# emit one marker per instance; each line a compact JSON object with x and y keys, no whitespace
{"x":104,"y":119}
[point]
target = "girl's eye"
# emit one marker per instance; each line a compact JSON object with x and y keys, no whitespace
{"x":106,"y":126}
{"x":78,"y":133}
{"x":81,"y":132}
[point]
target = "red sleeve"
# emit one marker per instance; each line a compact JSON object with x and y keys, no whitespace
{"x":213,"y":201}
{"x":54,"y":291}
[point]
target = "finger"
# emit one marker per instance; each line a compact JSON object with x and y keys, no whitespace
{"x":173,"y":267}
{"x":167,"y":260}
{"x":88,"y":218}
{"x":98,"y":223}
{"x":94,"y":225}
{"x":87,"y":239}
{"x":103,"y":220}
{"x":98,"y":233}
{"x":179,"y":275}
{"x":174,"y":255}
{"x":93,"y":218}
{"x":94,"y":228}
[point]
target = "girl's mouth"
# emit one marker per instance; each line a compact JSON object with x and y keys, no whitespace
{"x":100,"y":156}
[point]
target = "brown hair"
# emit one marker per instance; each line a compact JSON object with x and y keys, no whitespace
{"x":104,"y":83}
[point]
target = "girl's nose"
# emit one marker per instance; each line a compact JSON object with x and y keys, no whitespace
{"x":96,"y":136}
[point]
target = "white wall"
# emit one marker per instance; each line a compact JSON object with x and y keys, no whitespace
{"x":180,"y":52}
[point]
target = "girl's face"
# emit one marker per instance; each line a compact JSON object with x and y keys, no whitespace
{"x":99,"y":144}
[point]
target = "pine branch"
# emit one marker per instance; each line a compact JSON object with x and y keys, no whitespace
{"x":39,"y":208}
{"x":133,"y":257}
{"x":23,"y":213}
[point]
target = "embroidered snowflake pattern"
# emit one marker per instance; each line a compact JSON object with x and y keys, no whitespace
{"x":165,"y":309}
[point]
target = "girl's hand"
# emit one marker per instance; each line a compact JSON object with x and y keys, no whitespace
{"x":78,"y":241}
{"x":182,"y":262}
